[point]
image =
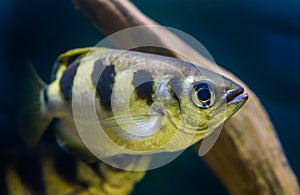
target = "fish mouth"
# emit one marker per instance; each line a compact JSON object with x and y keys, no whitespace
{"x":236,"y":96}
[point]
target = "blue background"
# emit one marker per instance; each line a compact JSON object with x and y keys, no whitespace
{"x":259,"y":41}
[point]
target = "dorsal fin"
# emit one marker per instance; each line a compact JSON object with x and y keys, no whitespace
{"x":65,"y":59}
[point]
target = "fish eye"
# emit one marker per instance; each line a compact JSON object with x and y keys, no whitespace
{"x":203,"y":94}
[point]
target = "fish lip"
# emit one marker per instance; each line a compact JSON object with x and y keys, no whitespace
{"x":236,"y":95}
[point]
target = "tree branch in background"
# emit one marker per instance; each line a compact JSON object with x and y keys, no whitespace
{"x":247,"y":157}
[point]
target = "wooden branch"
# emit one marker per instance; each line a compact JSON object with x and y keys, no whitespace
{"x":247,"y":157}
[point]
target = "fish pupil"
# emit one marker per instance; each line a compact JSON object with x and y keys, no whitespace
{"x":204,"y":94}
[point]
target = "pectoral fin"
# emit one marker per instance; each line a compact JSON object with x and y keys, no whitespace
{"x":209,"y":141}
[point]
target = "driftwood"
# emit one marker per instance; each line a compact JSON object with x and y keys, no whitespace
{"x":247,"y":157}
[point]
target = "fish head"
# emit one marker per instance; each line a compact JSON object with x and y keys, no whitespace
{"x":206,"y":100}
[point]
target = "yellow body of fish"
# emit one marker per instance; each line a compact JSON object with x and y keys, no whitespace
{"x":145,"y":104}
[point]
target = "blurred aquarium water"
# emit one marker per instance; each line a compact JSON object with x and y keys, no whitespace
{"x":259,"y":41}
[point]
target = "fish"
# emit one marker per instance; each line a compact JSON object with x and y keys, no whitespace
{"x":145,"y":103}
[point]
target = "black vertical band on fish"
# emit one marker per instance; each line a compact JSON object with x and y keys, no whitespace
{"x":143,"y":84}
{"x":103,"y":78}
{"x":67,"y":80}
{"x":45,"y":95}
